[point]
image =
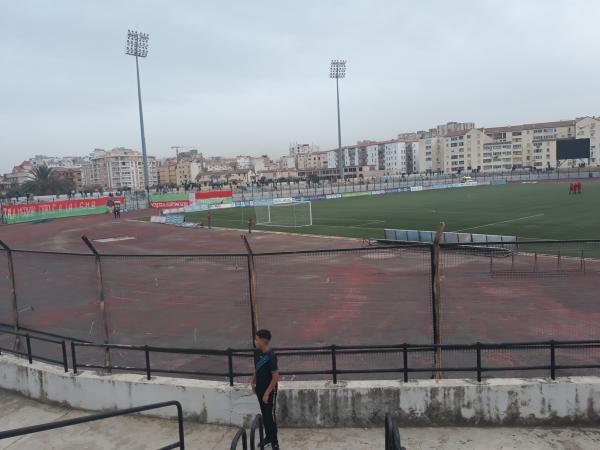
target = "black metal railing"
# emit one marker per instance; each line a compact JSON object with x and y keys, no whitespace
{"x":392,"y":434}
{"x":402,"y":353}
{"x":241,"y":434}
{"x":101,"y":416}
{"x":29,"y":354}
{"x":404,"y":359}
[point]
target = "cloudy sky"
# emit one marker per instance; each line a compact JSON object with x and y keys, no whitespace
{"x":249,"y":77}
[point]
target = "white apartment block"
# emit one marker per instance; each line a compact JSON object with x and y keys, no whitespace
{"x":332,"y":159}
{"x":287,"y":162}
{"x":373,"y":158}
{"x":533,"y":145}
{"x":243,"y":162}
{"x":463,"y":150}
{"x":187,"y":170}
{"x":351,"y":156}
{"x":394,"y":156}
{"x":430,"y":157}
{"x":413,"y":157}
{"x":118,"y":168}
{"x":589,"y":127}
{"x":58,"y":161}
{"x":302,"y":149}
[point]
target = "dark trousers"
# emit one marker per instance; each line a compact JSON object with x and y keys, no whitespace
{"x":268,"y":414}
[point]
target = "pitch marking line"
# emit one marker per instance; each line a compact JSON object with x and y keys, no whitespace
{"x":503,"y":221}
{"x":114,"y":239}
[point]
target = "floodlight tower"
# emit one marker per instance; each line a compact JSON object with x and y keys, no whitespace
{"x":137,"y":45}
{"x":337,"y":70}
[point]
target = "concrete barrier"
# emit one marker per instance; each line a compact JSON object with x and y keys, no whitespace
{"x":565,"y":401}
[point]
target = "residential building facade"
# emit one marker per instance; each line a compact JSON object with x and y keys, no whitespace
{"x":119,"y":168}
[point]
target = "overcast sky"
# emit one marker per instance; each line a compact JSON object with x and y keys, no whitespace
{"x":249,"y":77}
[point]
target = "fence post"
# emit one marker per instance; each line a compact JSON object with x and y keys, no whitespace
{"x":63,"y":346}
{"x":582,"y":262}
{"x":478,"y":348}
{"x":435,"y":298}
{"x":147,"y":355}
{"x":553,"y":359}
{"x":333,"y":364}
{"x":73,"y":357}
{"x":405,"y":361}
{"x":252,"y":281}
{"x":230,"y":366}
{"x":13,"y":292}
{"x":103,"y":313}
{"x":28,"y":342}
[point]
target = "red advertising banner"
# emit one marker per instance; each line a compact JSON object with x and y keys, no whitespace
{"x":86,"y":203}
{"x":61,"y":208}
{"x":213,"y":194}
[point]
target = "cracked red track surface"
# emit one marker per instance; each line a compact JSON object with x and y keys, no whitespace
{"x":364,"y":296}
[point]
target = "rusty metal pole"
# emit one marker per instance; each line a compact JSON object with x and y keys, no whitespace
{"x":252,"y":285}
{"x":102,"y":302}
{"x":13,"y":291}
{"x":436,"y":291}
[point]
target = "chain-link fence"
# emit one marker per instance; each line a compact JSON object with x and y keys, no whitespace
{"x":489,"y":293}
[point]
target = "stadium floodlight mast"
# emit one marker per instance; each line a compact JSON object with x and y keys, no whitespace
{"x":137,"y":45}
{"x":337,"y":70}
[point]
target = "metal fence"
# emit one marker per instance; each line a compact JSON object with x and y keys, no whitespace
{"x":171,"y":307}
{"x":554,"y":359}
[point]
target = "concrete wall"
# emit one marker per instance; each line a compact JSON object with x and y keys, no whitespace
{"x":574,"y":400}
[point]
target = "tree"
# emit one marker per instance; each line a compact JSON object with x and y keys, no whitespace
{"x":45,"y":182}
{"x":312,"y":178}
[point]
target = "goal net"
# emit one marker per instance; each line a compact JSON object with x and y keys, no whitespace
{"x":296,"y":214}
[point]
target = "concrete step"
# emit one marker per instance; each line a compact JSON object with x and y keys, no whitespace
{"x":137,"y":432}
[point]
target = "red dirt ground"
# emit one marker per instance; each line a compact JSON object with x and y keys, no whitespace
{"x":363,"y":296}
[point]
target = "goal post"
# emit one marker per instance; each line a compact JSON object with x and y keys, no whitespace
{"x":293,"y":214}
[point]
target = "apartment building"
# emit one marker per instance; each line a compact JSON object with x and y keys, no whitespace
{"x":532,"y":145}
{"x":118,"y":168}
{"x":463,"y":150}
{"x":430,"y":156}
{"x":58,"y":161}
{"x":394,"y":155}
{"x":20,"y":174}
{"x":589,"y":127}
{"x":261,"y":163}
{"x":72,"y":174}
{"x":412,"y":156}
{"x":167,"y":171}
{"x":187,"y":170}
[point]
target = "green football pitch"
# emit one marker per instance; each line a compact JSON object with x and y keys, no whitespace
{"x":534,"y":211}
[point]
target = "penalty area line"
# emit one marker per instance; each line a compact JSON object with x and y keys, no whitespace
{"x":501,"y":222}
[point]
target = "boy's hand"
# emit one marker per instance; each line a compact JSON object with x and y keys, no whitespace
{"x":265,"y":398}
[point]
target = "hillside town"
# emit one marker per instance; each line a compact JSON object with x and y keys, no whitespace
{"x":451,"y":148}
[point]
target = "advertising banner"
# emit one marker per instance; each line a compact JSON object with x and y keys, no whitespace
{"x":355,"y":194}
{"x":213,"y":197}
{"x":279,"y":201}
{"x":61,"y":208}
{"x":174,"y":200}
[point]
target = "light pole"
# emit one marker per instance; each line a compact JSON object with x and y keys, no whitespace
{"x":337,"y":70}
{"x":137,"y":45}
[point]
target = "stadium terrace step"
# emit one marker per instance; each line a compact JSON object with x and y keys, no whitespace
{"x":135,"y":432}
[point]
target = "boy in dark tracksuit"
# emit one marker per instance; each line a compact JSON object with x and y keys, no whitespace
{"x":264,"y":384}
